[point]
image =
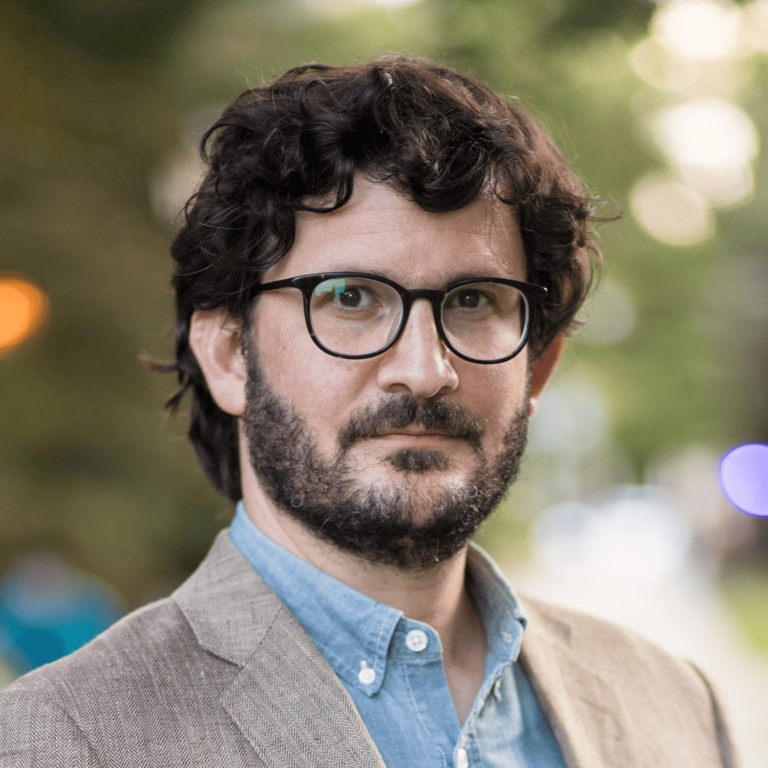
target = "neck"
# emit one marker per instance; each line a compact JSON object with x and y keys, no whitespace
{"x":433,"y":595}
{"x":436,"y":596}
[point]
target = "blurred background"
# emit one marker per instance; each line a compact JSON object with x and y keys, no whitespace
{"x":619,"y":509}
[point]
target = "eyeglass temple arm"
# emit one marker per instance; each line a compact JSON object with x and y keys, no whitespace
{"x":273,"y":286}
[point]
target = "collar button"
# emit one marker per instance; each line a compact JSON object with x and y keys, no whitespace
{"x":366,"y":675}
{"x":416,"y":640}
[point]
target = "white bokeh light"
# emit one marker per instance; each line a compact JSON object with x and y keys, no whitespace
{"x":712,"y":142}
{"x":631,"y":535}
{"x":707,"y":133}
{"x":393,"y":3}
{"x":336,"y":8}
{"x":698,"y":29}
{"x":610,"y":315}
{"x":721,"y":186}
{"x":661,"y":68}
{"x":174,"y":183}
{"x":754,"y":26}
{"x":671,"y":211}
{"x":573,"y":418}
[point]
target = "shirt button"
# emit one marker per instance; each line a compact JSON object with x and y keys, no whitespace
{"x":462,"y":761}
{"x":366,"y":675}
{"x":416,"y":640}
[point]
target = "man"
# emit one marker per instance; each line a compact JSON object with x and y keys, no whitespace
{"x":373,"y":283}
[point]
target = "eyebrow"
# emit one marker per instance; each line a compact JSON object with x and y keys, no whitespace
{"x":447,"y":278}
{"x":356,"y":268}
{"x":467,"y":275}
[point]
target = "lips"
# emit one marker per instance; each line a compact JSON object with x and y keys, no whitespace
{"x":409,"y":416}
{"x":408,"y":433}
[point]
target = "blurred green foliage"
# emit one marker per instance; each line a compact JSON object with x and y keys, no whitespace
{"x":745,"y":593}
{"x":95,"y":99}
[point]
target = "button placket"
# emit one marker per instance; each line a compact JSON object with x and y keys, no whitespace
{"x":462,"y":759}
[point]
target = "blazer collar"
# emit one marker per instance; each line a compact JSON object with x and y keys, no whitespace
{"x":286,"y":699}
{"x":587,"y":717}
{"x":290,"y":706}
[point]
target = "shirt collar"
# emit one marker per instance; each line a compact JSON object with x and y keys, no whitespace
{"x":353,"y":631}
{"x":499,"y":608}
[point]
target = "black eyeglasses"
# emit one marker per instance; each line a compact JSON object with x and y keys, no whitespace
{"x":355,"y":315}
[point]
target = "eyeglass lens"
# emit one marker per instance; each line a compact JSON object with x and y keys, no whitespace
{"x":360,"y":316}
{"x":484,"y":321}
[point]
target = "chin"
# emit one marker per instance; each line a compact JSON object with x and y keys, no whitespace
{"x":421,"y":473}
{"x":417,"y":461}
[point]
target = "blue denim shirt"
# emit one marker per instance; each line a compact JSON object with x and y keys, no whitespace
{"x":392,"y":666}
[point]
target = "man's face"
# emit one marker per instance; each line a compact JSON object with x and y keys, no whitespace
{"x":412,"y":443}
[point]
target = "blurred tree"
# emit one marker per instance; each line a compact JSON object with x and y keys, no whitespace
{"x":111,"y":30}
{"x":88,"y":463}
{"x":98,"y":99}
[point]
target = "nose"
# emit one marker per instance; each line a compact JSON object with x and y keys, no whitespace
{"x":418,"y":363}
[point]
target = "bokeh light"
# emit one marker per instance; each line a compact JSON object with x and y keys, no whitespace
{"x":698,"y":29}
{"x":23,"y":310}
{"x":662,"y":68}
{"x":175,"y":183}
{"x":572,"y":419}
{"x":744,"y":477}
{"x":393,"y":3}
{"x":631,"y":535}
{"x":712,"y":142}
{"x":754,"y":28}
{"x":707,"y":132}
{"x":331,"y":8}
{"x":49,"y":609}
{"x":610,"y":315}
{"x":671,"y":211}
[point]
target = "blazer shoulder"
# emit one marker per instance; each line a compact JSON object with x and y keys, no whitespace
{"x":156,"y":640}
{"x":666,"y":696}
{"x":34,"y":731}
{"x":608,"y":648}
{"x":46,"y":715}
{"x":124,"y":664}
{"x":126,"y":647}
{"x":145,"y":678}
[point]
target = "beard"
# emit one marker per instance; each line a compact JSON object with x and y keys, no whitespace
{"x":396,"y":524}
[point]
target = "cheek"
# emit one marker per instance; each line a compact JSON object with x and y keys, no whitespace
{"x":322,"y":389}
{"x":494,"y":392}
{"x":282,"y":342}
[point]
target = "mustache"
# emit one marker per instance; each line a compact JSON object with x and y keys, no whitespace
{"x":403,"y":411}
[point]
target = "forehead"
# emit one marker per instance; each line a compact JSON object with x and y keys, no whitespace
{"x":383,"y":232}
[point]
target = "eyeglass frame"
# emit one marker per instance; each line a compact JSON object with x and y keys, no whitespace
{"x":307,"y":283}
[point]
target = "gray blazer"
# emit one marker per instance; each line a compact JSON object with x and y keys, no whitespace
{"x":221,"y":674}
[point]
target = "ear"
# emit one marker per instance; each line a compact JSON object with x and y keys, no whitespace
{"x":215,"y":339}
{"x":543,"y":369}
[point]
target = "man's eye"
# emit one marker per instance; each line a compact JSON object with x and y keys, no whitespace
{"x":353,"y":297}
{"x":341,"y":293}
{"x":468,"y":299}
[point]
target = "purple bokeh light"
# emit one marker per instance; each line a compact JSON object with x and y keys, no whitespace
{"x":744,"y":477}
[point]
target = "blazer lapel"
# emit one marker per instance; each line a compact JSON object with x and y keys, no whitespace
{"x":286,"y":700}
{"x":587,"y":717}
{"x":291,"y":707}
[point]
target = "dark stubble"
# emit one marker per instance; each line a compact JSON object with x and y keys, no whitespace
{"x":386,"y":524}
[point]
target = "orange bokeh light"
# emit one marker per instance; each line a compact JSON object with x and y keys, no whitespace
{"x":23,"y":310}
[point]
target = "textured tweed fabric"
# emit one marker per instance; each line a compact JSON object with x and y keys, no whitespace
{"x":221,"y":674}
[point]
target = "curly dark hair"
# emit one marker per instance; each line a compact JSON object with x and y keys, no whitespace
{"x":433,"y":134}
